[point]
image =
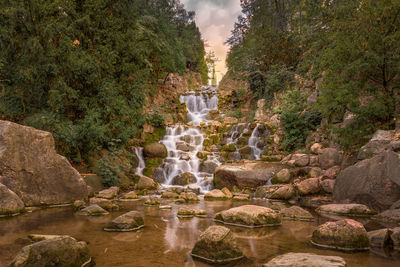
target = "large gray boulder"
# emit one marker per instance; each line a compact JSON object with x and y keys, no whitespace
{"x":250,"y":216}
{"x":329,"y":157}
{"x":155,"y":150}
{"x":305,"y":260}
{"x":249,"y":175}
{"x":31,"y":167}
{"x":10,"y":203}
{"x":57,"y":251}
{"x":374,"y":182}
{"x":381,"y":141}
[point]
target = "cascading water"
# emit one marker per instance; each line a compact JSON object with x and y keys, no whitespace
{"x":141,"y":164}
{"x":257,"y":141}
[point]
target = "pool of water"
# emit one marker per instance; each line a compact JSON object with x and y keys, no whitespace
{"x":166,"y":240}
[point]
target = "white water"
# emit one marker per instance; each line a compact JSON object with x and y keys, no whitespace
{"x":141,"y":164}
{"x":254,"y":143}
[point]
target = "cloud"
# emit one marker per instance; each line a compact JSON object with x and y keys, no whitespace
{"x":215,"y":19}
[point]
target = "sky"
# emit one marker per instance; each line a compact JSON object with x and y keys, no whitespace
{"x":215,"y":19}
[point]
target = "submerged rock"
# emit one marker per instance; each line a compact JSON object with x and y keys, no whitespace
{"x":355,"y":210}
{"x":10,"y":203}
{"x":58,"y":251}
{"x":93,"y":210}
{"x":189,"y":197}
{"x":348,"y":235}
{"x":108,"y":193}
{"x":104,"y":203}
{"x":169,"y":194}
{"x":249,"y":216}
{"x":305,"y":260}
{"x":127,"y":222}
{"x":32,"y":169}
{"x":217,"y":245}
{"x":215,"y":194}
{"x":296,"y":213}
{"x":186,"y":212}
{"x":284,"y":193}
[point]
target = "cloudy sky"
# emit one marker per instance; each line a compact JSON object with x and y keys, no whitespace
{"x":215,"y":18}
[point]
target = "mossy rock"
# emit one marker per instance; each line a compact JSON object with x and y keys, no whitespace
{"x":151,"y":165}
{"x":228,"y":148}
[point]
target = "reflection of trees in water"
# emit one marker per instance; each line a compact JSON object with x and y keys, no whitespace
{"x":181,"y":234}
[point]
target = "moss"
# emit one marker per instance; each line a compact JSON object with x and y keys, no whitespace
{"x":228,"y":148}
{"x":151,"y":164}
{"x":154,"y":137}
{"x":217,"y":182}
{"x":215,"y":139}
{"x":243,"y":141}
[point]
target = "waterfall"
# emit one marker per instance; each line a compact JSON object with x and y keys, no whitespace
{"x":141,"y":164}
{"x":257,"y":141}
{"x":199,"y":105}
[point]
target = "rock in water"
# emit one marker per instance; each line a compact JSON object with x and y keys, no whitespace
{"x":59,"y":251}
{"x":10,"y":203}
{"x":374,"y":182}
{"x":109,"y":193}
{"x":380,"y":238}
{"x":93,"y":210}
{"x":146,"y":183}
{"x":217,"y":245}
{"x":296,"y":213}
{"x":284,"y":192}
{"x":355,"y":210}
{"x":305,"y":260}
{"x":215,"y":194}
{"x":127,"y":222}
{"x":155,"y":150}
{"x":31,"y":168}
{"x":347,"y":235}
{"x":184,"y":179}
{"x":250,"y":216}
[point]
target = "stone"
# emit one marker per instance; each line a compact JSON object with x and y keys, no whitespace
{"x":395,"y":205}
{"x":159,"y":176}
{"x":93,"y":210}
{"x":185,"y":212}
{"x":184,"y":179}
{"x":390,"y":216}
{"x":380,"y":142}
{"x":250,"y":216}
{"x":59,"y":251}
{"x":315,"y":201}
{"x":395,"y":237}
{"x":331,"y":173}
{"x":155,"y":150}
{"x":108,"y":193}
{"x":189,"y":197}
{"x":374,"y":182}
{"x":380,"y":238}
{"x":10,"y":203}
{"x":315,"y":148}
{"x":315,"y":172}
{"x":152,"y":201}
{"x":132,"y":195}
{"x":306,"y":260}
{"x":146,"y":183}
{"x":227,"y":192}
{"x":194,"y":189}
{"x":347,"y":235}
{"x":266,"y":191}
{"x":230,"y":120}
{"x":169,"y":194}
{"x":328,"y":185}
{"x":248,"y":175}
{"x":353,"y":210}
{"x":201,"y":213}
{"x":300,"y":160}
{"x":329,"y":157}
{"x":165,"y":207}
{"x":94,"y":181}
{"x":314,"y":161}
{"x":104,"y":203}
{"x":309,"y":186}
{"x":296,"y":213}
{"x":285,"y":192}
{"x":217,"y":245}
{"x":282,"y":177}
{"x":79,"y":204}
{"x":208,"y":166}
{"x":215,"y":194}
{"x":127,"y":222}
{"x":241,"y":197}
{"x":32,"y":169}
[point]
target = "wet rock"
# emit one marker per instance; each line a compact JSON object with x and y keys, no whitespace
{"x":215,"y":194}
{"x":217,"y":245}
{"x":183,"y":147}
{"x":241,"y":197}
{"x":329,"y":157}
{"x":104,"y":203}
{"x":59,"y":251}
{"x":284,"y":193}
{"x":146,"y":183}
{"x":395,"y":237}
{"x":245,"y":151}
{"x":300,"y":160}
{"x":159,"y":176}
{"x":79,"y":204}
{"x":93,"y":210}
{"x":194,"y":189}
{"x":355,"y":210}
{"x":306,"y":260}
{"x":169,"y":194}
{"x":165,"y":207}
{"x":391,"y":216}
{"x":309,"y":186}
{"x":282,"y":177}
{"x":10,"y":203}
{"x":189,"y":197}
{"x":200,"y":213}
{"x":127,"y":222}
{"x":315,"y":148}
{"x":327,"y":185}
{"x":130,"y":196}
{"x":184,"y":179}
{"x":32,"y":169}
{"x":348,"y":235}
{"x":152,"y":201}
{"x":374,"y":182}
{"x":245,"y":175}
{"x":208,"y":166}
{"x":186,"y":212}
{"x":380,"y":238}
{"x":315,"y":201}
{"x":155,"y":150}
{"x":227,"y":192}
{"x":266,"y":191}
{"x":249,"y":216}
{"x":109,"y":193}
{"x":296,"y":213}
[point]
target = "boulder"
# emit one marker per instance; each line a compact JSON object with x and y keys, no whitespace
{"x":10,"y":203}
{"x":395,"y":237}
{"x":155,"y":150}
{"x":108,"y":193}
{"x":58,"y":251}
{"x":215,"y":194}
{"x":353,"y":210}
{"x":315,"y":172}
{"x":347,"y":235}
{"x":250,"y":216}
{"x":32,"y":169}
{"x":186,"y":212}
{"x":331,"y":173}
{"x":152,"y":201}
{"x":309,"y":186}
{"x":390,"y":216}
{"x":208,"y":166}
{"x":217,"y":245}
{"x":189,"y":197}
{"x":227,"y":192}
{"x":329,"y":157}
{"x":282,"y":177}
{"x":380,"y":142}
{"x":247,"y":175}
{"x":146,"y":183}
{"x":104,"y":203}
{"x":315,"y":148}
{"x":132,"y":195}
{"x":127,"y":222}
{"x":300,"y":160}
{"x":380,"y":238}
{"x":93,"y":210}
{"x":374,"y":182}
{"x":169,"y":194}
{"x":184,"y":179}
{"x":159,"y":176}
{"x":79,"y":204}
{"x":306,"y":260}
{"x":328,"y":185}
{"x":296,"y":213}
{"x":285,"y":192}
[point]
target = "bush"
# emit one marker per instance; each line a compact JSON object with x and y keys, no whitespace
{"x":156,"y":119}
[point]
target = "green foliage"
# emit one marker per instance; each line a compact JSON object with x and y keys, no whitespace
{"x":156,"y":119}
